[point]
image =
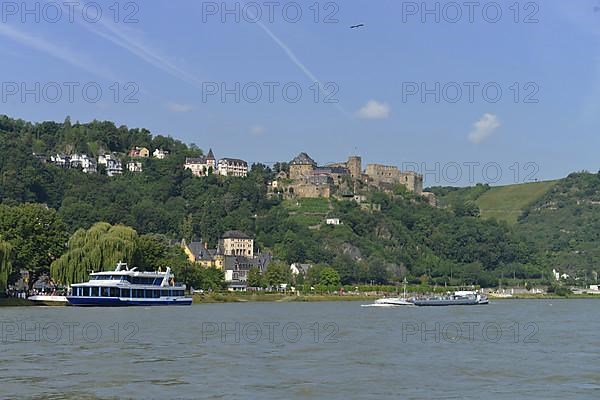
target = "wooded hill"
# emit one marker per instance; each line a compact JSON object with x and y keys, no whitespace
{"x":407,"y":238}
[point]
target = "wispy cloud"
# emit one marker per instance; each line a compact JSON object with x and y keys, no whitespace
{"x":126,"y":40}
{"x":484,"y":128}
{"x":179,"y":108}
{"x":374,"y":110}
{"x":62,"y":53}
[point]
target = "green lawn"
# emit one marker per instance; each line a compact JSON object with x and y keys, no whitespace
{"x":308,"y":205}
{"x":308,"y":212}
{"x":506,"y":203}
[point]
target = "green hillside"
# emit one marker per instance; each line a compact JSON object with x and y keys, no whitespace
{"x":504,"y":203}
{"x":507,"y":203}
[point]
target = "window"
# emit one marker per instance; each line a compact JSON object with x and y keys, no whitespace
{"x":114,"y":292}
{"x":95,"y":291}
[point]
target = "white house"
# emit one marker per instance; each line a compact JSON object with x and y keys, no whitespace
{"x":111,"y":163}
{"x":233,"y":167}
{"x":87,"y":164}
{"x":297,"y":268}
{"x":135,"y":166}
{"x":61,"y":160}
{"x":160,"y":154}
{"x":201,"y":166}
{"x":333,"y":221}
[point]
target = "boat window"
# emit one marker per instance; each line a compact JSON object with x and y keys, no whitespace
{"x":95,"y":291}
{"x":114,"y":292}
{"x":156,"y":294}
{"x":165,"y":292}
{"x":105,"y":292}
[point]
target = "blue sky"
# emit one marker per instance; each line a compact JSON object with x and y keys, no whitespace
{"x":176,"y":52}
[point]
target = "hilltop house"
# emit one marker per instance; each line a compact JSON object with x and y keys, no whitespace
{"x":135,"y":166}
{"x":87,"y":164}
{"x":112,"y":164}
{"x":160,"y":154}
{"x":202,"y":166}
{"x":233,"y":167}
{"x":139,"y":152}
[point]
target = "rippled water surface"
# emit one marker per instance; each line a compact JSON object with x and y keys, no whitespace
{"x":506,"y":350}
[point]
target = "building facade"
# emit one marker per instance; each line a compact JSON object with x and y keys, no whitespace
{"x":236,"y":243}
{"x":202,"y":166}
{"x":135,"y":166}
{"x":302,"y":166}
{"x":380,"y":175}
{"x":232,"y":167}
{"x":160,"y":154}
{"x":234,"y":255}
{"x":82,"y":161}
{"x":139,"y":152}
{"x":111,"y":163}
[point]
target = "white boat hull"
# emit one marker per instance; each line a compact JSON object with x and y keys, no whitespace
{"x":396,"y":301}
{"x":49,"y":300}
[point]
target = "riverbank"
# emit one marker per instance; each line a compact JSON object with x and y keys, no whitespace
{"x":273,"y":297}
{"x":547,"y":297}
{"x":284,"y":298}
{"x":14,"y":302}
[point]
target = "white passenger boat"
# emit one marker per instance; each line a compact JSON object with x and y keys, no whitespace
{"x":129,"y":287}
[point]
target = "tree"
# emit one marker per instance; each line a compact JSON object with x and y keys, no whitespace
{"x":187,"y":228}
{"x":277,"y":274}
{"x":37,"y":235}
{"x":6,"y":257}
{"x":212,"y":279}
{"x":98,"y":249}
{"x":151,"y":252}
{"x":330,"y":278}
{"x":255,"y":278}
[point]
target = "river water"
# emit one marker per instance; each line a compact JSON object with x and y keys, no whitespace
{"x":506,"y":350}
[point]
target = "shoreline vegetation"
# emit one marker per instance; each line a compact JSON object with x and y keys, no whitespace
{"x":222,"y":298}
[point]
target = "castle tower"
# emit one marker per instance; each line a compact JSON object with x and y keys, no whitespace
{"x":355,"y":166}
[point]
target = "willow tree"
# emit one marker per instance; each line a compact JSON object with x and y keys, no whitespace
{"x":99,"y":248}
{"x":6,"y":257}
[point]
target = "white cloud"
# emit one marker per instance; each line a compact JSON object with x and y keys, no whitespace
{"x":484,"y":128}
{"x":179,"y":108}
{"x":257,"y":130}
{"x":374,"y":110}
